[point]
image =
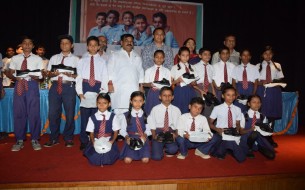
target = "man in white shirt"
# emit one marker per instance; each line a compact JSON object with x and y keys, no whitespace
{"x":126,"y":74}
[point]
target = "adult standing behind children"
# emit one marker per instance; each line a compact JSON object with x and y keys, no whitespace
{"x":126,"y":74}
{"x":229,"y":42}
{"x":157,"y":44}
{"x":62,"y":92}
{"x":26,"y":103}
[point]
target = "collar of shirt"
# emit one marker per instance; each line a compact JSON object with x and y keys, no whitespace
{"x":28,"y":55}
{"x":226,"y":105}
{"x":222,"y":62}
{"x":134,"y":113}
{"x":191,"y":117}
{"x":202,"y":62}
{"x":242,"y":64}
{"x":251,"y":114}
{"x":66,"y":55}
{"x":164,"y":107}
{"x":183,"y":64}
{"x":266,"y":63}
{"x":156,"y":66}
{"x":107,"y":114}
{"x":131,"y":53}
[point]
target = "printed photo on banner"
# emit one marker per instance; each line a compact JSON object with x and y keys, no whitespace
{"x":112,"y":18}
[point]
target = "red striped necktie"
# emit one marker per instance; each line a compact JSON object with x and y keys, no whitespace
{"x":230,"y":118}
{"x":193,"y":125}
{"x":157,"y":74}
{"x":268,"y":73}
{"x":102,"y":128}
{"x":225,"y":73}
{"x":92,"y":77}
{"x":166,"y":122}
{"x":59,"y":80}
{"x":139,"y":128}
{"x":24,"y":65}
{"x":253,"y":120}
{"x":206,"y":80}
{"x":245,"y":78}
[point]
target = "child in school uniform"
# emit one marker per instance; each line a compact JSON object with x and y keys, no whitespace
{"x":127,"y":19}
{"x":155,"y":73}
{"x":62,"y":92}
{"x":112,"y":31}
{"x":252,"y":140}
{"x":228,"y":116}
{"x":163,"y":118}
{"x":194,"y":122}
{"x":142,"y":32}
{"x":100,"y":20}
{"x":245,"y":78}
{"x":222,"y":71}
{"x":205,"y":73}
{"x":26,"y":102}
{"x":92,"y":78}
{"x":134,"y":126}
{"x":183,"y":93}
{"x":103,"y":124}
{"x":270,"y":71}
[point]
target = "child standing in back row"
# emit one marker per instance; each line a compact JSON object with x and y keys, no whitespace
{"x":183,"y":92}
{"x":155,"y":73}
{"x":92,"y":78}
{"x":270,"y":71}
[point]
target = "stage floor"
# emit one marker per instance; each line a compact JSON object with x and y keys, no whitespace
{"x":67,"y":165}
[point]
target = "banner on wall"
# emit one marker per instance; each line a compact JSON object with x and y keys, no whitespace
{"x":112,"y":18}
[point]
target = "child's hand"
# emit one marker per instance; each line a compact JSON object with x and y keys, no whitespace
{"x":144,"y":137}
{"x":110,"y":87}
{"x":193,"y":83}
{"x":186,"y":135}
{"x":220,"y":130}
{"x":127,"y":138}
{"x":81,"y":96}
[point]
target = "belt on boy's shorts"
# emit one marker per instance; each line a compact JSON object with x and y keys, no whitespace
{"x":86,"y":80}
{"x":65,"y":82}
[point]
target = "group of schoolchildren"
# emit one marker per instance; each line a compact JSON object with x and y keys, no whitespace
{"x":137,"y":25}
{"x":177,"y":109}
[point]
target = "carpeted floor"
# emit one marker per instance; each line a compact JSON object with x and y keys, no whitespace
{"x":61,"y":164}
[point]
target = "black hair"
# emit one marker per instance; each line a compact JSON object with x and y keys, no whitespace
{"x":93,"y":38}
{"x":135,"y":94}
{"x":101,"y":14}
{"x":126,"y":36}
{"x":104,"y":96}
{"x":203,"y":50}
{"x":162,"y":16}
{"x":65,"y":36}
{"x":129,"y":13}
{"x":222,"y":49}
{"x":165,"y":88}
{"x":229,"y":35}
{"x":183,"y":48}
{"x":40,"y":46}
{"x":159,"y":51}
{"x":268,"y":48}
{"x":242,"y":51}
{"x":159,"y":28}
{"x":253,"y":96}
{"x":116,"y":13}
{"x":229,"y":87}
{"x":197,"y":100}
{"x":140,"y":16}
{"x":185,"y":42}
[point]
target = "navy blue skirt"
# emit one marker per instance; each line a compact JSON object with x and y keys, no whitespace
{"x":271,"y":101}
{"x":182,"y":97}
{"x":152,"y":100}
{"x":97,"y":159}
{"x":144,"y":152}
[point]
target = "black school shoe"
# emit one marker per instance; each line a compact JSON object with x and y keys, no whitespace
{"x":82,"y":146}
{"x":69,"y":144}
{"x":51,"y":143}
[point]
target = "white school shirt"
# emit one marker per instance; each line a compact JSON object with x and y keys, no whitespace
{"x":220,"y":113}
{"x":219,"y":72}
{"x":163,"y":73}
{"x":175,"y":73}
{"x":99,"y":116}
{"x":251,"y":114}
{"x":185,"y":122}
{"x":252,"y":72}
{"x":70,"y":61}
{"x":234,"y":57}
{"x":126,"y":72}
{"x":100,"y":72}
{"x":200,"y":70}
{"x":275,"y":74}
{"x":33,"y":62}
{"x":124,"y":125}
{"x":156,"y":118}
